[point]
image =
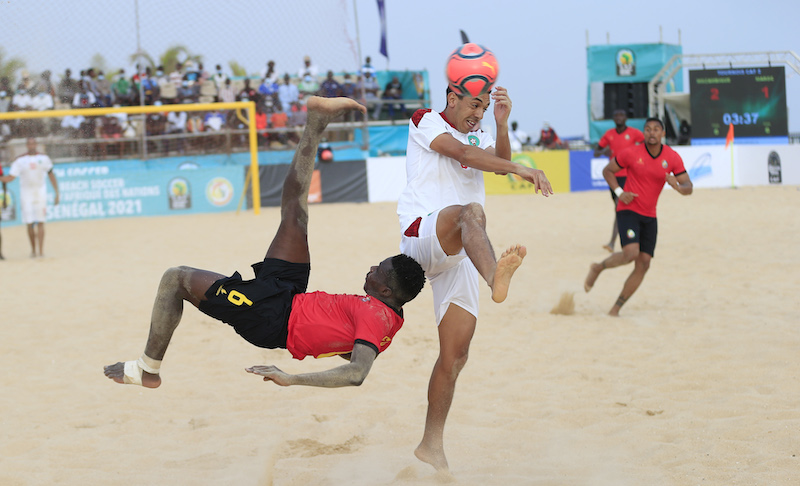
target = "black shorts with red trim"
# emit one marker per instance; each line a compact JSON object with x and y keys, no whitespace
{"x":258,"y":309}
{"x":635,"y":228}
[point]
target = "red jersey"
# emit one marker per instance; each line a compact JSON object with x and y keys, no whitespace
{"x":617,"y":142}
{"x":323,"y":324}
{"x":647,"y":176}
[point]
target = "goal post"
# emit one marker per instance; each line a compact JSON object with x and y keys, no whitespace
{"x":248,"y":106}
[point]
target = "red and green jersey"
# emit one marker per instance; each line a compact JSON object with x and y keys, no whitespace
{"x":323,"y":324}
{"x":647,"y":176}
{"x":618,"y":142}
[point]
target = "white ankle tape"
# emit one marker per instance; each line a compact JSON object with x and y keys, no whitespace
{"x":150,"y":365}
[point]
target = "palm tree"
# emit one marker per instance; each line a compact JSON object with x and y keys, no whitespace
{"x":237,"y":69}
{"x":9,"y":68}
{"x":168,"y":59}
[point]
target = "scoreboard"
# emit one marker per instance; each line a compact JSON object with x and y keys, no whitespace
{"x":752,"y":99}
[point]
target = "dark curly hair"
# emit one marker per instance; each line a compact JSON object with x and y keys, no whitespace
{"x":406,"y":278}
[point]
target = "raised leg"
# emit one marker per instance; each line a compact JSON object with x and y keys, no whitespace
{"x":455,"y":333}
{"x":629,"y":253}
{"x":465,"y":227}
{"x":177,"y":285}
{"x":291,"y":240}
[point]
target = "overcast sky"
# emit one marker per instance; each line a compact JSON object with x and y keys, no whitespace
{"x":541,"y":46}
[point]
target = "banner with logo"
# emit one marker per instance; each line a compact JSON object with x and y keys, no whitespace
{"x":332,"y":182}
{"x":761,"y":165}
{"x":115,"y":189}
{"x":554,"y":163}
{"x":707,"y":166}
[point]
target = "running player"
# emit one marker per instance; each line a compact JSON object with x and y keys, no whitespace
{"x":613,"y":142}
{"x":649,"y":166}
{"x":443,"y":226}
{"x":32,"y":169}
{"x":273,"y":310}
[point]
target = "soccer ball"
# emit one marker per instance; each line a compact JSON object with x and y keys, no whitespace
{"x":472,"y":70}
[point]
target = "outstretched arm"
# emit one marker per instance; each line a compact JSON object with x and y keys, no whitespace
{"x":481,"y":159}
{"x":350,"y":374}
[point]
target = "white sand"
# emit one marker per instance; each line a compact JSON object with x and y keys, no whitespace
{"x":697,"y":383}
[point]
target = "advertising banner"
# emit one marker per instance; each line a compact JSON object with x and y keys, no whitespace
{"x":110,"y":190}
{"x":554,"y":163}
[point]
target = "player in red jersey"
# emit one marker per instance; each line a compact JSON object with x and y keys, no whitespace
{"x":649,"y":166}
{"x":273,"y":310}
{"x":613,"y":142}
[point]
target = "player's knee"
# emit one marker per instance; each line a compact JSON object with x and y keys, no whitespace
{"x":473,"y":213}
{"x":454,"y":363}
{"x":643,"y":262}
{"x":630,"y":254}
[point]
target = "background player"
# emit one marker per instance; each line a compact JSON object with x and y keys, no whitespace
{"x":649,"y":165}
{"x":32,"y":169}
{"x":443,"y":227}
{"x":272,"y":311}
{"x":614,"y":141}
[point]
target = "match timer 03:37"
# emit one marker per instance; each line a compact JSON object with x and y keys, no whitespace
{"x":753,"y":99}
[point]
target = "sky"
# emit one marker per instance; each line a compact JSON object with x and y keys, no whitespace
{"x":541,"y":46}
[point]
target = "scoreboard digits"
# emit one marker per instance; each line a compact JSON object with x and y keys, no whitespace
{"x":752,"y":99}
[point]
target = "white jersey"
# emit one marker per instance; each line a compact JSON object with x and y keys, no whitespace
{"x":31,"y":170}
{"x":435,"y":181}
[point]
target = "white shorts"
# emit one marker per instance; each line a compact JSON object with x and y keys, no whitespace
{"x":453,"y":278}
{"x":33,"y":209}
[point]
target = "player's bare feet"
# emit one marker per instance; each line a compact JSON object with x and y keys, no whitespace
{"x":333,"y":107}
{"x":508,"y":263}
{"x":433,"y":457}
{"x":608,"y":248}
{"x":614,"y":312}
{"x":594,"y":272}
{"x":116,"y":372}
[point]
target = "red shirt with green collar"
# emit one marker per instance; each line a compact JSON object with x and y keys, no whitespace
{"x":323,"y":324}
{"x":647,"y":176}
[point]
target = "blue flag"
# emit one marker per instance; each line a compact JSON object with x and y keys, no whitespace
{"x":382,"y":15}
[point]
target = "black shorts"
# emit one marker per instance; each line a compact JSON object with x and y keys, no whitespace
{"x":621,"y":182}
{"x":258,"y":309}
{"x":635,"y":228}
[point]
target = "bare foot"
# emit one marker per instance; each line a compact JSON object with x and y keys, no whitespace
{"x":608,"y":248}
{"x":594,"y":272}
{"x":117,"y":373}
{"x":614,"y":312}
{"x":433,"y":457}
{"x":508,"y":263}
{"x":333,"y":107}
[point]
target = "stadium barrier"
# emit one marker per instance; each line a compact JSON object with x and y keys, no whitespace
{"x":125,"y":188}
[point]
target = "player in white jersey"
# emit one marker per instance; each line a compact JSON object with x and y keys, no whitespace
{"x":443,"y":227}
{"x":33,"y":170}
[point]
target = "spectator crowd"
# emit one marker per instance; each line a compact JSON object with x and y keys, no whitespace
{"x":280,"y":100}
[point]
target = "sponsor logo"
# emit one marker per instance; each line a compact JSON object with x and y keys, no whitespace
{"x":774,"y":167}
{"x":515,"y":181}
{"x":219,"y":191}
{"x":385,"y":341}
{"x":179,"y":193}
{"x":631,"y":234}
{"x":701,"y":167}
{"x":597,"y":172}
{"x":626,"y":63}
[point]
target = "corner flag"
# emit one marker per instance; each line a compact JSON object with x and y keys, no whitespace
{"x":729,"y":137}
